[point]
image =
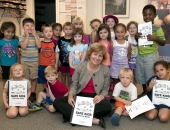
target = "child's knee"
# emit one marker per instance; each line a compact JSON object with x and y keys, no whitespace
{"x":51,"y":108}
{"x":23,"y":113}
{"x":150,"y":116}
{"x":164,"y":119}
{"x":11,"y":115}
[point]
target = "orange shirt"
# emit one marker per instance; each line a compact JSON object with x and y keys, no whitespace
{"x":47,"y":54}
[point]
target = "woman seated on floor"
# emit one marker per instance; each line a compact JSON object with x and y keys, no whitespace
{"x":91,"y":79}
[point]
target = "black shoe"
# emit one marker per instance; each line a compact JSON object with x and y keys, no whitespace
{"x":64,"y":119}
{"x":102,"y":123}
{"x":32,"y":97}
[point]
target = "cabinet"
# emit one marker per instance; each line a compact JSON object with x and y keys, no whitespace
{"x":12,"y":8}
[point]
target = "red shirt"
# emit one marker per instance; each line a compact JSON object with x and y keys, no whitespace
{"x":58,"y":89}
{"x":89,"y":88}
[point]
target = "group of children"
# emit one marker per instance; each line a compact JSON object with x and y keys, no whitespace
{"x":35,"y":59}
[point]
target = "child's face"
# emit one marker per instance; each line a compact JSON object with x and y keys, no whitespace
{"x":29,"y":27}
{"x":18,"y":71}
{"x":78,"y":25}
{"x":120,"y":32}
{"x":148,"y":15}
{"x":78,"y":38}
{"x":132,"y":29}
{"x":51,"y":77}
{"x":57,"y":31}
{"x":103,"y":34}
{"x":68,"y":30}
{"x":9,"y":33}
{"x":110,"y":22}
{"x":125,"y":80}
{"x":161,"y":72}
{"x":47,"y":33}
{"x":95,"y":25}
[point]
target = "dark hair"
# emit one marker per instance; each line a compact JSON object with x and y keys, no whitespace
{"x":151,"y":7}
{"x":95,"y":20}
{"x":119,"y":24}
{"x":101,"y":27}
{"x":163,"y":63}
{"x":5,"y":26}
{"x":28,"y":20}
{"x":54,"y":25}
{"x":75,"y":32}
{"x":45,"y":25}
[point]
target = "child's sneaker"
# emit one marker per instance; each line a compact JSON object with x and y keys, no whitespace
{"x":35,"y":107}
{"x":44,"y":103}
{"x":115,"y":119}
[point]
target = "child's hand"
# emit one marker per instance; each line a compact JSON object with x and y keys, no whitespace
{"x":152,"y":83}
{"x":34,"y":32}
{"x":138,"y":35}
{"x":26,"y":33}
{"x":127,"y":103}
{"x":151,"y":37}
{"x":6,"y":105}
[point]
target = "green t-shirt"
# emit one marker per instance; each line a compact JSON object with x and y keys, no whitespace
{"x":146,"y":50}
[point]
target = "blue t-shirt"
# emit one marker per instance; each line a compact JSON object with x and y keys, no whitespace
{"x":8,"y":51}
{"x":150,"y":93}
{"x":77,"y":52}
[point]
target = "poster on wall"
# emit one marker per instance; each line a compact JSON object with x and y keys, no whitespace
{"x":161,"y":93}
{"x":69,"y":9}
{"x":83,"y":111}
{"x":17,"y":93}
{"x":139,"y":106}
{"x":145,"y":29}
{"x":163,"y":20}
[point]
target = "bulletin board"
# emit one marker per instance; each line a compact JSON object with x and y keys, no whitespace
{"x":67,"y":10}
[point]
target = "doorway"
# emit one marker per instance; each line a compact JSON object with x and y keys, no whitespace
{"x":45,"y":13}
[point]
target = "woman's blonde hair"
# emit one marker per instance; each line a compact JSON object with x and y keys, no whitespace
{"x":97,"y":47}
{"x":50,"y":70}
{"x":127,"y":71}
{"x":12,"y":69}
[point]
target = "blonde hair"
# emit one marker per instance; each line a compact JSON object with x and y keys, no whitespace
{"x":50,"y":69}
{"x":12,"y":69}
{"x":77,"y":20}
{"x":97,"y":47}
{"x":126,"y":71}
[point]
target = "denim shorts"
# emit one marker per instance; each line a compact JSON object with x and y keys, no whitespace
{"x":144,"y":67}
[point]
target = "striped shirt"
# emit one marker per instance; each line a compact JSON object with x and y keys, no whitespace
{"x":31,"y":51}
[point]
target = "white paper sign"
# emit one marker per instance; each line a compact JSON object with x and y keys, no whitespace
{"x":17,"y":93}
{"x":139,"y":106}
{"x":161,"y":93}
{"x":145,"y":29}
{"x":83,"y":111}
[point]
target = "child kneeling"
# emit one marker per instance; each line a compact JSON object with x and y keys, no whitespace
{"x":54,"y":88}
{"x":124,"y":92}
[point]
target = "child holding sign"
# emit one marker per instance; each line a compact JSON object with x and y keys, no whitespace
{"x":16,"y":74}
{"x":163,"y":111}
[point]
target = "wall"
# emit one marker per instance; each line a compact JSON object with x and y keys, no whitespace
{"x":29,"y":12}
{"x":94,"y":10}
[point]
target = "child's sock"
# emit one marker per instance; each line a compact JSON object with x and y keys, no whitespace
{"x":115,"y":119}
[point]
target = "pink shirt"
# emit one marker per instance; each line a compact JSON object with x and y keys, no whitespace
{"x":86,"y":39}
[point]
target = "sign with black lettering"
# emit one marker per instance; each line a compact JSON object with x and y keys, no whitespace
{"x":17,"y":93}
{"x":161,"y":93}
{"x":145,"y":29}
{"x":83,"y":111}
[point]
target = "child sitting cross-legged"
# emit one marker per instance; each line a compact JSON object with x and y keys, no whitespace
{"x":55,"y":89}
